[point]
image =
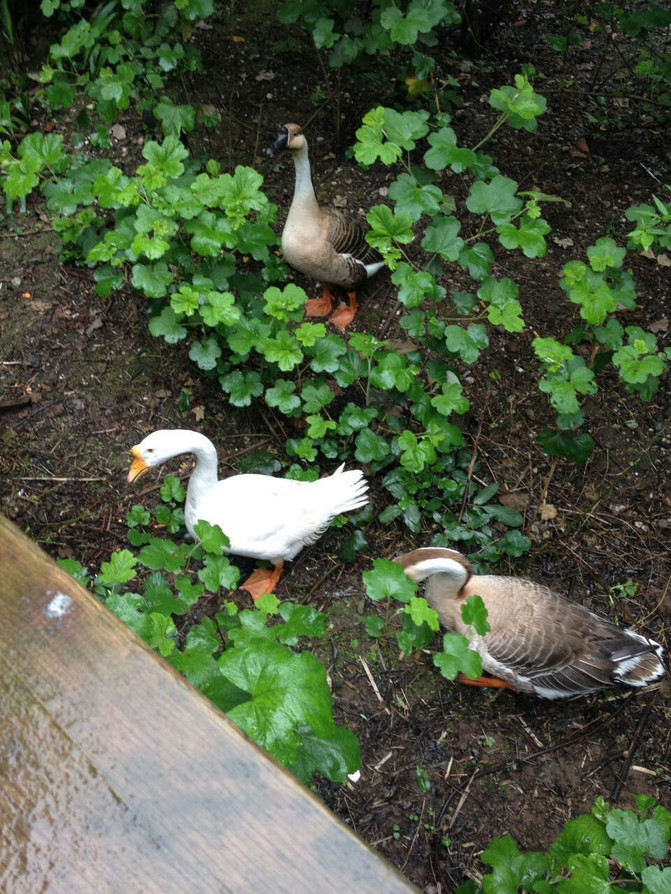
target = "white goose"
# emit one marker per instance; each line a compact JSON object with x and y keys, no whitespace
{"x":539,"y":642}
{"x":322,"y":242}
{"x":263,"y":517}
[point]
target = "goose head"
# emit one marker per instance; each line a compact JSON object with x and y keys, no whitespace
{"x":160,"y":446}
{"x":290,"y":137}
{"x":423,"y":563}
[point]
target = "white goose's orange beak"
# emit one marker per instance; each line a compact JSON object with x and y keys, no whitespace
{"x":138,"y":467}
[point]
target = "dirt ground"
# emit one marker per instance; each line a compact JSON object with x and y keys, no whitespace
{"x":81,"y":380}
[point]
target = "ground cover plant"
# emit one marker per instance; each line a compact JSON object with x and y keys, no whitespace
{"x":194,"y":240}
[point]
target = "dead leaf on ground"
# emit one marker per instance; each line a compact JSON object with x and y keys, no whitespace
{"x":547,"y":511}
{"x":41,"y":306}
{"x":659,"y":325}
{"x":516,"y":499}
{"x":580,"y":149}
{"x":198,"y":413}
{"x":563,"y":243}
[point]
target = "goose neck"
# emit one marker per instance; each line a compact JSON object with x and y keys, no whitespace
{"x":303,"y":189}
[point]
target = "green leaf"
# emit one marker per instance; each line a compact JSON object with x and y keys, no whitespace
{"x":283,"y":396}
{"x":209,"y":234}
{"x":316,"y":395}
{"x":656,"y":880}
{"x":162,"y":554}
{"x":300,"y":620}
{"x":205,"y":353}
{"x":417,"y":454}
{"x":569,"y":445}
{"x":529,"y":236}
{"x":512,"y":870}
{"x":283,"y":350}
{"x":445,"y":153}
{"x":289,"y":693}
{"x":420,"y":612}
{"x":520,"y":103}
{"x":370,"y":447}
{"x":406,"y":29}
{"x":503,"y":307}
{"x":153,"y":280}
{"x":497,"y":198}
{"x":374,"y":626}
{"x":590,"y":875}
{"x":175,"y":119}
{"x":286,"y":304}
{"x":335,"y":754}
{"x":371,"y":143}
{"x":388,"y":228}
{"x":159,"y":596}
{"x":120,"y":568}
{"x":166,"y":325}
{"x":212,"y":538}
{"x":604,"y":254}
{"x":172,"y":490}
{"x":219,"y":307}
{"x":467,"y":343}
{"x":393,"y":371}
{"x":442,"y":238}
{"x":582,"y":835}
{"x":165,"y":162}
{"x":413,"y":199}
{"x":415,"y":286}
{"x":452,"y":400}
{"x":327,"y":354}
{"x":217,"y":573}
{"x":457,"y":657}
{"x":474,"y":614}
{"x":477,"y":260}
{"x":388,"y":580}
{"x":242,"y":387}
{"x":636,"y":839}
{"x":636,"y":367}
{"x":353,"y":547}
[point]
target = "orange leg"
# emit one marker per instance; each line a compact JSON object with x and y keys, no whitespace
{"x":320,"y":307}
{"x":262,"y":581}
{"x":345,"y":314}
{"x":488,"y":682}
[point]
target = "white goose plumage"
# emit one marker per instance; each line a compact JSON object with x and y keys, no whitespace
{"x":263,"y":517}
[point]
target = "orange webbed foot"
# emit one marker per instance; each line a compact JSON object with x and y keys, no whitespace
{"x":486,"y":682}
{"x":262,"y":581}
{"x":320,"y":307}
{"x":344,"y":315}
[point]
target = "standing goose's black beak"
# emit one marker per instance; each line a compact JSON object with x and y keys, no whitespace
{"x":280,"y":143}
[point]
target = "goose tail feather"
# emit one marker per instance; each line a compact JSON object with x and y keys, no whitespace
{"x":345,"y":491}
{"x":640,"y":665}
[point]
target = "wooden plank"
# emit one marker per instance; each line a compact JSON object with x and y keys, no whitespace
{"x":117,"y":776}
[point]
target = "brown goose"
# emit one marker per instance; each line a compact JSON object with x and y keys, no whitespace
{"x":263,"y":517}
{"x":539,"y":642}
{"x":321,"y":242}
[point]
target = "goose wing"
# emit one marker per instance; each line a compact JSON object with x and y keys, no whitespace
{"x":347,"y":235}
{"x":552,"y":643}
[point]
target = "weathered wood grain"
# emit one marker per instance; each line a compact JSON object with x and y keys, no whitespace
{"x":117,"y":776}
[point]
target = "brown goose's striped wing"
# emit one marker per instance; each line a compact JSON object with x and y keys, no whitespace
{"x":553,"y":643}
{"x":347,"y":235}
